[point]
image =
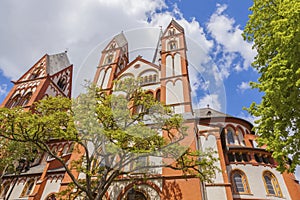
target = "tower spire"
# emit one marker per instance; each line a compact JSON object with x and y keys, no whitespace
{"x":156,"y":57}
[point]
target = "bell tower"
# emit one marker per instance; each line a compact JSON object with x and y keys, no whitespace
{"x":114,"y":58}
{"x":175,"y":87}
{"x":50,"y":76}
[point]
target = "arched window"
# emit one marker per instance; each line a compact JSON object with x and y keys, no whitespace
{"x":271,"y":184}
{"x":135,"y":195}
{"x":145,"y":79}
{"x":4,"y":189}
{"x":230,"y":136}
{"x":172,"y":45}
{"x":158,"y":95}
{"x":54,"y":150}
{"x":109,"y":59}
{"x":28,"y":188}
{"x":65,"y":149}
{"x":154,"y":78}
{"x":241,"y":137}
{"x":26,"y":99}
{"x":150,"y":79}
{"x":50,"y":197}
{"x":62,"y":83}
{"x":239,"y":182}
{"x":14,"y":101}
{"x":171,"y":32}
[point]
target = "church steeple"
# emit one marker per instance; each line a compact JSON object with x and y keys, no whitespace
{"x":174,"y":69}
{"x":50,"y":76}
{"x":114,"y":58}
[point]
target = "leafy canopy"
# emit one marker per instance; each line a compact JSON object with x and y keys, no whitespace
{"x":274,"y":28}
{"x":124,"y":133}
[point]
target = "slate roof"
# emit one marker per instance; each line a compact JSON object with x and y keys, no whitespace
{"x":57,"y":62}
{"x":121,"y":39}
{"x":209,"y":113}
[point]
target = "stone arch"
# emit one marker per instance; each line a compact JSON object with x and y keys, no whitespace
{"x":239,"y":182}
{"x":139,"y":183}
{"x":174,"y":92}
{"x":26,"y":98}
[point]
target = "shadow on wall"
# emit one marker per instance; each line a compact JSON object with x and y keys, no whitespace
{"x":172,"y":191}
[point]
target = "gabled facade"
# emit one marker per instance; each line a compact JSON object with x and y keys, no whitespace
{"x":247,"y":171}
{"x":50,"y":76}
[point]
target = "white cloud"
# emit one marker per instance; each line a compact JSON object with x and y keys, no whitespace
{"x":229,"y":36}
{"x":243,"y":86}
{"x":36,"y":28}
{"x":212,"y":100}
{"x":79,"y":26}
{"x":3,"y":89}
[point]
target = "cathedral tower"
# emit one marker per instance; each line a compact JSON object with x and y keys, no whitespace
{"x":175,"y":88}
{"x":50,"y":76}
{"x":114,"y":58}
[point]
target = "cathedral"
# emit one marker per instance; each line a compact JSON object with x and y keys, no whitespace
{"x":247,"y":171}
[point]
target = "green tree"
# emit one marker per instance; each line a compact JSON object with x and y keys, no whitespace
{"x":11,"y":152}
{"x":274,"y":27}
{"x":123,"y":133}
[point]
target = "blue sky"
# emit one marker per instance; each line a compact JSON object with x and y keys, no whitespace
{"x":36,"y":28}
{"x":220,"y":71}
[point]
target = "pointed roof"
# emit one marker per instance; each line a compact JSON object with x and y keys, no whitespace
{"x":120,"y":39}
{"x":57,"y":62}
{"x":209,"y":113}
{"x":174,"y":24}
{"x":156,"y":56}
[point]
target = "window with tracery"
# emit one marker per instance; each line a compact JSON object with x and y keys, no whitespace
{"x":28,"y":188}
{"x":271,"y":184}
{"x":15,"y":101}
{"x":62,"y":83}
{"x":239,"y":182}
{"x":26,"y":99}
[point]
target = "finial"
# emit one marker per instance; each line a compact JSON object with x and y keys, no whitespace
{"x":207,"y":105}
{"x":66,"y":50}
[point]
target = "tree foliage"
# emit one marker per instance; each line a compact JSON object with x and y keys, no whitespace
{"x":124,"y":133}
{"x":274,"y":27}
